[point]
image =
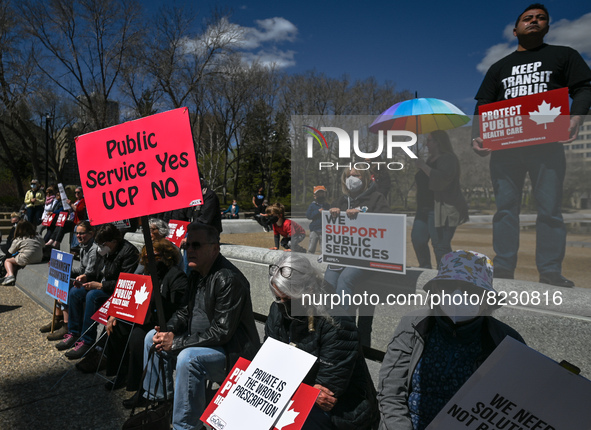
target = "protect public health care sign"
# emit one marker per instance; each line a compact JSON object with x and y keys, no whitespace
{"x":129,"y":170}
{"x":259,"y":397}
{"x":517,"y":388}
{"x":131,"y":299}
{"x":58,"y":279}
{"x":523,"y":121}
{"x":371,"y":241}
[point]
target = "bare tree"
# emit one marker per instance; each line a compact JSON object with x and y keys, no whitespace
{"x":81,"y":47}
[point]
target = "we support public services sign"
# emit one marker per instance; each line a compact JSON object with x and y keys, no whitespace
{"x":371,"y":241}
{"x":139,"y":167}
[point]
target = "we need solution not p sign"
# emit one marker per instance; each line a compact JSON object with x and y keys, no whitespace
{"x":129,"y":169}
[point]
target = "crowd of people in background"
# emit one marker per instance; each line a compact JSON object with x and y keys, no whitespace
{"x":206,"y":301}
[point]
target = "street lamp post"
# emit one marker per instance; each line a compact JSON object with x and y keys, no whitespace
{"x":47,"y":119}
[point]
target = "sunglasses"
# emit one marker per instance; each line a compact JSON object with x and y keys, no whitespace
{"x":285,"y":271}
{"x":197,"y":245}
{"x":78,"y":233}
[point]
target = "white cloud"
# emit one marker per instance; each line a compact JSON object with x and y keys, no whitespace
{"x":274,"y":58}
{"x":564,"y":32}
{"x":271,"y":30}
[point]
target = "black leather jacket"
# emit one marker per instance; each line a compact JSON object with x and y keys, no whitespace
{"x":229,"y":309}
{"x":124,"y":260}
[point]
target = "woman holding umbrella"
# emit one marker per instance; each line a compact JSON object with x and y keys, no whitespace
{"x":439,"y":175}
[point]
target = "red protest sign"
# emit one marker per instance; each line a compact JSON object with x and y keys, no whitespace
{"x":61,"y":219}
{"x":177,"y":231}
{"x":294,"y":415}
{"x":128,"y":169}
{"x":131,"y":299}
{"x":47,"y":219}
{"x":102,"y":315}
{"x":523,"y":121}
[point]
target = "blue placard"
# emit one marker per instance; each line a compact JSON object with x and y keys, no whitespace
{"x":58,"y":280}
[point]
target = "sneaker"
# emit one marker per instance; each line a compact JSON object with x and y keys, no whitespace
{"x":80,"y":348}
{"x":93,"y":362}
{"x":58,"y":334}
{"x":57,"y":324}
{"x":68,"y":341}
{"x":9,"y":281}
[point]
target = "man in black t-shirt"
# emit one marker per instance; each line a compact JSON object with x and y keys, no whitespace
{"x":533,"y":68}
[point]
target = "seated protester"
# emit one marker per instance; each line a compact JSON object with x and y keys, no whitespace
{"x":77,"y":214}
{"x":14,"y":219}
{"x":347,"y":397}
{"x":118,"y":256}
{"x":204,"y":338}
{"x":56,"y":209}
{"x":159,"y":230}
{"x":292,"y":232}
{"x":49,"y":203}
{"x":232,"y":211}
{"x":447,"y":344}
{"x":88,"y":270}
{"x":26,"y":248}
{"x":172,"y":290}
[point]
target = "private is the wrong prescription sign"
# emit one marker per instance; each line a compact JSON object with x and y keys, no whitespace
{"x":130,"y":169}
{"x":258,"y":398}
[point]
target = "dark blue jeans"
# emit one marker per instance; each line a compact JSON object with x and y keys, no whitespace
{"x":546,"y":166}
{"x":423,"y":229}
{"x":83,"y":305}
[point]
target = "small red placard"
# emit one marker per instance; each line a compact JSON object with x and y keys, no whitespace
{"x":177,"y":231}
{"x":131,"y":299}
{"x":61,"y":219}
{"x":102,"y":315}
{"x":47,"y":219}
{"x":523,"y":121}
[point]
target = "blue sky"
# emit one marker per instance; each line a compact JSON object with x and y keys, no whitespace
{"x":438,"y":49}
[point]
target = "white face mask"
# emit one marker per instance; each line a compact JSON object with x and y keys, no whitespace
{"x":464,"y":311}
{"x":353,"y":183}
{"x":103,"y":250}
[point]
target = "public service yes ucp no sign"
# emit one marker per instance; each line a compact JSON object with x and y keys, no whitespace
{"x":139,"y":167}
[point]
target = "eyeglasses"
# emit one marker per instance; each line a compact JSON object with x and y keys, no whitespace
{"x":81,"y":233}
{"x":197,"y":245}
{"x":285,"y":271}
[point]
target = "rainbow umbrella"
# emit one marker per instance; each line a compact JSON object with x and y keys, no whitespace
{"x":421,"y":116}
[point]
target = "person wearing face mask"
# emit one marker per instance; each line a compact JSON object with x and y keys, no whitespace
{"x":291,"y":231}
{"x":119,"y":256}
{"x":359,"y":196}
{"x":314,"y":213}
{"x":433,"y":353}
{"x":172,"y":290}
{"x":347,"y":398}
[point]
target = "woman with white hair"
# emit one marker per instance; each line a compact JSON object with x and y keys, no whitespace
{"x":347,"y":395}
{"x":433,"y":353}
